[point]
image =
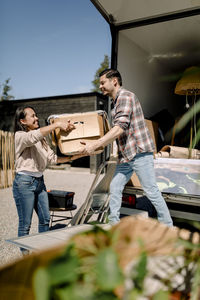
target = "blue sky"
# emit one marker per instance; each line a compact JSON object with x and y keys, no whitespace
{"x":51,"y":47}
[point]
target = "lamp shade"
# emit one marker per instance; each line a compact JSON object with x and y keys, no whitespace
{"x":189,"y":83}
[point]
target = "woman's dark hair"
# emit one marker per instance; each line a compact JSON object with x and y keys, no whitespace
{"x":111,"y":73}
{"x":20,"y":114}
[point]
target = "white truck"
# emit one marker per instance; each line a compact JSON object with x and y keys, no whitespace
{"x":153,"y":43}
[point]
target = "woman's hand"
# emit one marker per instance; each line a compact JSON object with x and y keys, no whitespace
{"x":67,"y":127}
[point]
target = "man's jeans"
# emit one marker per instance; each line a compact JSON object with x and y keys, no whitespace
{"x":143,"y":166}
{"x":30,"y":193}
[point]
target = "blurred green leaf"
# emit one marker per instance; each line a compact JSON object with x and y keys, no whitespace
{"x":109,"y":274}
{"x":41,"y":284}
{"x":63,"y":272}
{"x":140,"y":271}
{"x":196,"y":283}
{"x":195,"y":140}
{"x":104,"y":296}
{"x":189,"y":245}
{"x":64,"y":269}
{"x":161,"y":295}
{"x":196,"y":225}
{"x":83,"y":292}
{"x":133,"y":295}
{"x":73,"y":292}
{"x":188,"y":116}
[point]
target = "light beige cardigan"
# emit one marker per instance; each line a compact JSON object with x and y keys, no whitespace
{"x":30,"y":154}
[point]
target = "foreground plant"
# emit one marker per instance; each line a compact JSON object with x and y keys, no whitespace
{"x":90,"y":272}
{"x":114,"y":264}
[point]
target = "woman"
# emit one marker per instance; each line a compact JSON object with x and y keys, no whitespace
{"x":32,"y":155}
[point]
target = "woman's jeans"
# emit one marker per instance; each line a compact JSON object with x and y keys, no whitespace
{"x":143,"y":166}
{"x":30,"y":193}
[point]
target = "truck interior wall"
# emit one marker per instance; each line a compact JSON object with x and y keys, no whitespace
{"x":144,"y":77}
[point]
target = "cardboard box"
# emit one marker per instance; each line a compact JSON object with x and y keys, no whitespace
{"x":134,"y":181}
{"x":153,"y":129}
{"x":89,"y":126}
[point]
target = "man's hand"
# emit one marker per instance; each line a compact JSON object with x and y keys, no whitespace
{"x":65,"y":159}
{"x":88,"y":147}
{"x":77,"y":156}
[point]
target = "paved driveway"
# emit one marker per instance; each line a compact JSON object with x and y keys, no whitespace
{"x":73,"y":179}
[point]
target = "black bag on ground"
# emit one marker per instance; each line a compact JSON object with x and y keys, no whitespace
{"x":60,"y":199}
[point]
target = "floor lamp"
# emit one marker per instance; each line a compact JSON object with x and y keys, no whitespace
{"x":189,"y":85}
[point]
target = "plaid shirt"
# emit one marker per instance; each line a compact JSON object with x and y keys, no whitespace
{"x":127,"y":113}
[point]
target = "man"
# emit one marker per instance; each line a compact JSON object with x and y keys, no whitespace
{"x":135,"y":147}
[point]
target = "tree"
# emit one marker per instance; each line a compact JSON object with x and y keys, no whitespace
{"x":6,"y":88}
{"x":104,"y":65}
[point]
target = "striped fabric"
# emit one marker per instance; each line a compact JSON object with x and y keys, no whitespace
{"x":127,"y":113}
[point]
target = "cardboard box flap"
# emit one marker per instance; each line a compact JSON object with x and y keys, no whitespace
{"x":86,"y":126}
{"x":53,"y":117}
{"x":71,"y":147}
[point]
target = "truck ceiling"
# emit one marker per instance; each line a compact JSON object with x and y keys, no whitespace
{"x":121,"y":12}
{"x":168,"y":29}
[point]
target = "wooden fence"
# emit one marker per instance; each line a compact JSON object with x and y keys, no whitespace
{"x":6,"y":159}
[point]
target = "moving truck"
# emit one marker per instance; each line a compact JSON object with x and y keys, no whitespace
{"x":153,"y":43}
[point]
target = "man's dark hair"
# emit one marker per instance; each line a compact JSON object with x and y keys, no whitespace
{"x":111,"y":73}
{"x":20,"y":114}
